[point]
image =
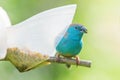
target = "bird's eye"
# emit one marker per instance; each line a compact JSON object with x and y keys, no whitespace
{"x":76,"y":27}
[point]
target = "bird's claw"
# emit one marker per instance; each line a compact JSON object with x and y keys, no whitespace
{"x":57,"y":57}
{"x":77,"y":60}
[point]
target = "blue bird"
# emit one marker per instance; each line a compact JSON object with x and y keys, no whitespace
{"x":71,"y":43}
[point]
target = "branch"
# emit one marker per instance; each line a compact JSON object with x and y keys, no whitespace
{"x":25,"y":60}
{"x":84,"y":63}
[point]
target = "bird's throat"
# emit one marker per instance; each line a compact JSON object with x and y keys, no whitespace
{"x":76,"y":37}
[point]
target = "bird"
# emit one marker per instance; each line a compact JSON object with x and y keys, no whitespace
{"x":71,"y":43}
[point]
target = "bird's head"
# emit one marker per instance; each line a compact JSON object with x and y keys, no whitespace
{"x":76,"y":31}
{"x":78,"y":28}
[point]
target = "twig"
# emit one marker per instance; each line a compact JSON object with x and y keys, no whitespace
{"x":84,"y":63}
{"x":25,"y":60}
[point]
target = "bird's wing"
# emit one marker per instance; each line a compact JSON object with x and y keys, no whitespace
{"x":60,"y":36}
{"x":39,"y":32}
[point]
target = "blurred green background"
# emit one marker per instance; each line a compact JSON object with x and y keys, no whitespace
{"x":101,"y":44}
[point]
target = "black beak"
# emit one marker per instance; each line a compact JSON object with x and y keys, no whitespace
{"x":84,"y":29}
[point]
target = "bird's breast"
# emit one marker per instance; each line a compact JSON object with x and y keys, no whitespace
{"x":69,"y":47}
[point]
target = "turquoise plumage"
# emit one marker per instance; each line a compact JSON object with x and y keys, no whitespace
{"x":71,"y":43}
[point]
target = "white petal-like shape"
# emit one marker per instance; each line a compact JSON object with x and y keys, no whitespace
{"x":4,"y":19}
{"x":4,"y":22}
{"x":38,"y":33}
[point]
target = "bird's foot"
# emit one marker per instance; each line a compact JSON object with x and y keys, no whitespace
{"x":57,"y":57}
{"x":77,"y":60}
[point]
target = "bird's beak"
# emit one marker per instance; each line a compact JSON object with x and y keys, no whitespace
{"x":84,"y":30}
